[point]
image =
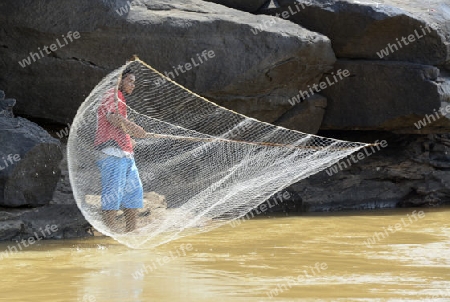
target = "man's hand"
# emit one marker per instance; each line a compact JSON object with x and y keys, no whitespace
{"x":137,"y":131}
{"x":126,"y":126}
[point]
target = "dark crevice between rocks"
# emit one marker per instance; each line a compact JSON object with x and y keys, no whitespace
{"x":43,"y":122}
{"x":269,"y":4}
{"x":245,"y":6}
{"x":149,"y":7}
{"x":82,"y":61}
{"x":268,"y":76}
{"x":21,"y":207}
{"x":187,"y":10}
{"x":367,"y":59}
{"x":86,"y":62}
{"x":51,"y":126}
{"x":53,"y":54}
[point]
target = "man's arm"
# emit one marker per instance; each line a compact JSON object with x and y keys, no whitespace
{"x":125,"y":125}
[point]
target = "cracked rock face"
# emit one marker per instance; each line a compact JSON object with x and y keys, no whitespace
{"x":248,"y":63}
{"x":398,"y":54}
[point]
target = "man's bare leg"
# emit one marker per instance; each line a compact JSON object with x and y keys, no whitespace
{"x":109,"y":217}
{"x":130,"y":219}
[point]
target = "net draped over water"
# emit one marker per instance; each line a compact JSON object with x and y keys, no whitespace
{"x":200,"y":166}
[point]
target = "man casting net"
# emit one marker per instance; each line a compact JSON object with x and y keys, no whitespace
{"x":151,"y":161}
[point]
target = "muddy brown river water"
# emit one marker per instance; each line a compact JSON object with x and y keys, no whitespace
{"x":383,"y":255}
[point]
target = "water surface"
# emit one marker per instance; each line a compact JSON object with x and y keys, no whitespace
{"x":319,"y":257}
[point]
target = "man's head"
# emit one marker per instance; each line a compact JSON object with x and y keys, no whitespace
{"x":127,"y":83}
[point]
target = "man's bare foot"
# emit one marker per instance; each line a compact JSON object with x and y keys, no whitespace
{"x":109,"y":218}
{"x":130,"y":219}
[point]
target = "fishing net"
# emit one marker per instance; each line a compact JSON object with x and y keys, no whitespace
{"x":197,"y":167}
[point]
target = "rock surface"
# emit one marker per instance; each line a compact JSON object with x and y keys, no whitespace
{"x":6,"y":106}
{"x":306,"y":116}
{"x":164,"y":34}
{"x":264,"y":108}
{"x":29,"y":160}
{"x":26,"y":223}
{"x":402,"y":51}
{"x":360,"y":29}
{"x":412,"y":171}
{"x":61,"y":210}
{"x":378,"y":96}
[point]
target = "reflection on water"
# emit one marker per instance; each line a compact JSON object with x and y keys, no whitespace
{"x":364,"y":256}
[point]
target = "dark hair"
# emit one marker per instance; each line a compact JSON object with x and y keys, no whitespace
{"x":126,"y":72}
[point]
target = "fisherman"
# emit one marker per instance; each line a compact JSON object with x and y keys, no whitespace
{"x":121,"y":184}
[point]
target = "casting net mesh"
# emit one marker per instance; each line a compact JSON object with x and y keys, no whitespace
{"x":197,"y":167}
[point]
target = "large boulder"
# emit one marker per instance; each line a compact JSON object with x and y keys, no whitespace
{"x":403,"y":51}
{"x":244,"y":62}
{"x":409,"y":171}
{"x":29,"y":163}
{"x":391,"y":96}
{"x":46,"y":222}
{"x":363,"y":29}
